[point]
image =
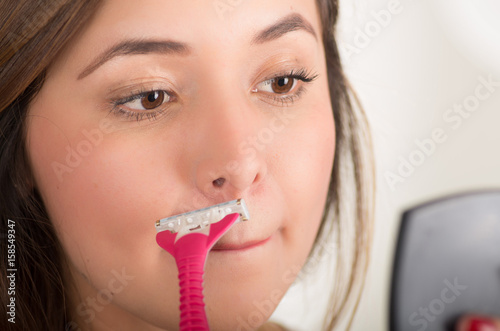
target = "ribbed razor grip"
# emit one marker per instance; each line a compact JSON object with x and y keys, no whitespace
{"x":190,"y":253}
{"x":191,"y":289}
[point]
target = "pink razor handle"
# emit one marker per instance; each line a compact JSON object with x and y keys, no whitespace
{"x":190,"y":253}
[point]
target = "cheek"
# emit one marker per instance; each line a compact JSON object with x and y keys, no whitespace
{"x":103,"y":206}
{"x":305,"y":161}
{"x":96,"y":189}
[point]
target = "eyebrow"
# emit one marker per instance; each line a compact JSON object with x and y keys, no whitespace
{"x":136,"y":47}
{"x":290,"y":23}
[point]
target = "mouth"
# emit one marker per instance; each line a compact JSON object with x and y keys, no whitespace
{"x":239,"y":247}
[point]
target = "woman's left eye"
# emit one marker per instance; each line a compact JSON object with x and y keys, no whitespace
{"x":287,"y":87}
{"x":147,"y":101}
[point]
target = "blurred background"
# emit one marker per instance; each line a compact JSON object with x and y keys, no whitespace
{"x":428,"y":75}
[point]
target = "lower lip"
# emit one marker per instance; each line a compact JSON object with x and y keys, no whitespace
{"x":242,"y":248}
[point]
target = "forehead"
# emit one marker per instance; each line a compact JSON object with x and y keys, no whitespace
{"x":199,"y":15}
{"x":196,"y":22}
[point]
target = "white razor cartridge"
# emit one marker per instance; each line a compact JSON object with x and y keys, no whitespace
{"x":203,"y":218}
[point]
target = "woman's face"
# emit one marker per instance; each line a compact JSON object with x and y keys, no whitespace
{"x":160,"y":107}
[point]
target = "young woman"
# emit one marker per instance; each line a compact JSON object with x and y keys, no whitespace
{"x":117,"y":113}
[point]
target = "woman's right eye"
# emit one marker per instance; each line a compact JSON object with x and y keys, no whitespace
{"x":142,"y":105}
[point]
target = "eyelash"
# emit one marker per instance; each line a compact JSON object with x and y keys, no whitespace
{"x":302,"y":75}
{"x":138,"y":116}
{"x":283,"y":100}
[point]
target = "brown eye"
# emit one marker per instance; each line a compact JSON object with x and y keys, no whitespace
{"x":278,"y":85}
{"x":153,"y":99}
{"x":282,"y":85}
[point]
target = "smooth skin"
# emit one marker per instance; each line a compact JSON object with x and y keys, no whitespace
{"x":198,"y":105}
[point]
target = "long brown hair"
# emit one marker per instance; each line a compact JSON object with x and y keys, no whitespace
{"x":349,"y":210}
{"x":32,"y":33}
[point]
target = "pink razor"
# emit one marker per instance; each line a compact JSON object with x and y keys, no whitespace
{"x":188,"y":238}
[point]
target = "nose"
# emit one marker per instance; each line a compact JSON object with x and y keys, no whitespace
{"x":229,"y":166}
{"x":228,"y":174}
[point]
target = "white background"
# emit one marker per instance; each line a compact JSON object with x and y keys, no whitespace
{"x":425,"y":60}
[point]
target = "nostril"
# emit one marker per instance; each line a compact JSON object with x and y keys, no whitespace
{"x":219,"y":182}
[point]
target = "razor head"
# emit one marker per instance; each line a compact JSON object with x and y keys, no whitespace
{"x":202,"y":218}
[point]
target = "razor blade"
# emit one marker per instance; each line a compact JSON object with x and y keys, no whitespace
{"x":203,"y":218}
